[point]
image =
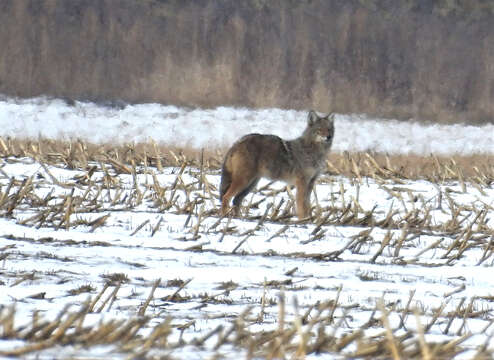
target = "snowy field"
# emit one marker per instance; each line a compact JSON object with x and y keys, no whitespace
{"x":112,"y":260}
{"x":220,"y":127}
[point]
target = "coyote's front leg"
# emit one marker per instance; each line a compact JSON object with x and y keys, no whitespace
{"x":303,"y":197}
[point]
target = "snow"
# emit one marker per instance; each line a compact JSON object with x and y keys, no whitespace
{"x":220,"y":127}
{"x":62,"y":260}
{"x":80,"y":257}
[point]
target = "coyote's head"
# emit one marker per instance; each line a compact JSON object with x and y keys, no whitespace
{"x":320,"y":129}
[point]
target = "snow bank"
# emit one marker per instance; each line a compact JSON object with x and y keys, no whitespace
{"x":220,"y":127}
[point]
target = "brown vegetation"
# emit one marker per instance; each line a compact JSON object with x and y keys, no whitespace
{"x":314,"y":332}
{"x":422,"y":59}
{"x":474,"y":168}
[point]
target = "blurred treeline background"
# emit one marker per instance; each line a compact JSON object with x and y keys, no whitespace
{"x":424,"y":59}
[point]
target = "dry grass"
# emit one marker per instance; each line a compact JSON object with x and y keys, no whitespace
{"x":133,"y":159}
{"x":311,"y":332}
{"x":76,"y":154}
{"x":417,"y":63}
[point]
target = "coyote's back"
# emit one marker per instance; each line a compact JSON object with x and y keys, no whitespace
{"x":297,"y":162}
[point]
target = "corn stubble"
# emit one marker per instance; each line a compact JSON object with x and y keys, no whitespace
{"x":320,"y":328}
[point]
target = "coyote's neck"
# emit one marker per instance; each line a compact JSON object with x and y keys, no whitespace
{"x":308,"y":150}
{"x":310,"y":143}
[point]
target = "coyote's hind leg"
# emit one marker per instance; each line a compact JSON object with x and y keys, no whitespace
{"x":238,"y":189}
{"x":237,"y":200}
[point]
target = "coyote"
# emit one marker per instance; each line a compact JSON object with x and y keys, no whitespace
{"x":297,"y":162}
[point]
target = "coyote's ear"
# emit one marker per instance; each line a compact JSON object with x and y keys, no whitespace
{"x":311,"y":120}
{"x":330,"y":117}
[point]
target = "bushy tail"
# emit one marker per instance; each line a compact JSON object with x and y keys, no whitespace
{"x":226,"y":180}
